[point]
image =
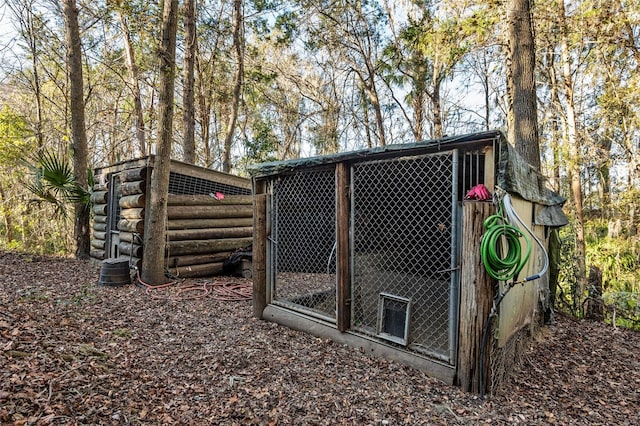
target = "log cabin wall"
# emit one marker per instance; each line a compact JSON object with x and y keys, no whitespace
{"x":209,"y":216}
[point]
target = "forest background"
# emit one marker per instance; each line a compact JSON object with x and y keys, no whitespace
{"x":261,"y":80}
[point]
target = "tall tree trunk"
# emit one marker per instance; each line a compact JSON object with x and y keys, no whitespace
{"x":188,"y":97}
{"x":418,"y":116}
{"x":4,"y":210}
{"x":238,"y":44}
{"x":155,"y":220}
{"x":132,"y":67}
{"x":78,"y":131}
{"x":574,"y":152}
{"x":372,"y":94}
{"x":437,"y":107}
{"x":523,"y":118}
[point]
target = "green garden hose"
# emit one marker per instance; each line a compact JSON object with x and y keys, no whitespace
{"x":498,"y":237}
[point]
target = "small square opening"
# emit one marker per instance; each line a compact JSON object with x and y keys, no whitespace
{"x":393,"y":318}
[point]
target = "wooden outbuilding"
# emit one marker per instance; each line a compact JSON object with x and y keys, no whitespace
{"x":209,"y":215}
{"x":380,"y":249}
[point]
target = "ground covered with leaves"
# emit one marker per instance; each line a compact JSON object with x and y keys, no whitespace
{"x":74,"y":352}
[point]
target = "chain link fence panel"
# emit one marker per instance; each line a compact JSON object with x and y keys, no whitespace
{"x":304,"y":241}
{"x":403,"y":249}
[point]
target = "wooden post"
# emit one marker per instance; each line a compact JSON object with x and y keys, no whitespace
{"x":342,"y":252}
{"x":259,"y":252}
{"x":476,"y":298}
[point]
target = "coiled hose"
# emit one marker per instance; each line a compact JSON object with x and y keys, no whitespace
{"x":499,"y":235}
{"x":503,"y":266}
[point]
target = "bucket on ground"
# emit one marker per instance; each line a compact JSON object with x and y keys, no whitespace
{"x":115,"y":271}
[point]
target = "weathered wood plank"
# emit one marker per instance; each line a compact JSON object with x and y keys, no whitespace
{"x":208,"y":233}
{"x":476,"y":297}
{"x":99,"y":235}
{"x":209,"y":223}
{"x":342,"y":250}
{"x":97,"y":253}
{"x":133,"y":225}
{"x":176,"y":248}
{"x":207,"y":200}
{"x":194,"y":271}
{"x":132,"y":201}
{"x":132,"y":188}
{"x":197,"y":259}
{"x":133,"y":175}
{"x":98,"y":226}
{"x":99,"y":197}
{"x":137,"y":213}
{"x":100,"y":209}
{"x":130,"y":249}
{"x":209,"y":212}
{"x":100,"y":218}
{"x":259,"y":258}
{"x":99,"y":244}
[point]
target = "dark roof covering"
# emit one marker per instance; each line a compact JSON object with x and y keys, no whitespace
{"x":513,"y":174}
{"x":433,"y":145}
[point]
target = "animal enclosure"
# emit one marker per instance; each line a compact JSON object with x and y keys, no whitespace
{"x":209,"y":215}
{"x":369,"y":248}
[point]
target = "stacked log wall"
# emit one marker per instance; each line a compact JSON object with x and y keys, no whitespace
{"x":202,"y":232}
{"x":132,"y":209}
{"x":99,"y":201}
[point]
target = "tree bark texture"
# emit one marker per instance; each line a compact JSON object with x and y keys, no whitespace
{"x":188,"y":97}
{"x":154,"y":239}
{"x":132,"y":67}
{"x":521,"y":88}
{"x":81,"y":230}
{"x":238,"y":45}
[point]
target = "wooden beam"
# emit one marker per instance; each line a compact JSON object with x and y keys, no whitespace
{"x":342,"y":252}
{"x":476,"y":298}
{"x":193,"y":271}
{"x":209,"y":233}
{"x":99,"y":197}
{"x":100,"y":218}
{"x":99,"y":226}
{"x":100,"y":209}
{"x":175,"y":248}
{"x":99,"y":235}
{"x":137,"y":213}
{"x":207,"y":200}
{"x":99,"y":244}
{"x":132,"y":188}
{"x":197,"y":259}
{"x":259,"y":258}
{"x":132,"y":201}
{"x":129,"y":249}
{"x":208,"y":212}
{"x":133,"y":175}
{"x":209,"y":223}
{"x":97,"y":253}
{"x":133,"y":225}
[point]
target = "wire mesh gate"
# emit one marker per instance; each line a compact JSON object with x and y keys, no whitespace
{"x":303,"y":234}
{"x":403,"y":249}
{"x":404,"y":252}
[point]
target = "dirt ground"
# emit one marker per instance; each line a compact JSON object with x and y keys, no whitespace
{"x":74,"y":352}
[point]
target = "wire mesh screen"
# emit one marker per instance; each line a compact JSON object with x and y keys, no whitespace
{"x":403,"y":245}
{"x":181,"y":184}
{"x":304,"y":229}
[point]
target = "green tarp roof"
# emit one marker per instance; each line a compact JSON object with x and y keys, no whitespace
{"x":513,"y":174}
